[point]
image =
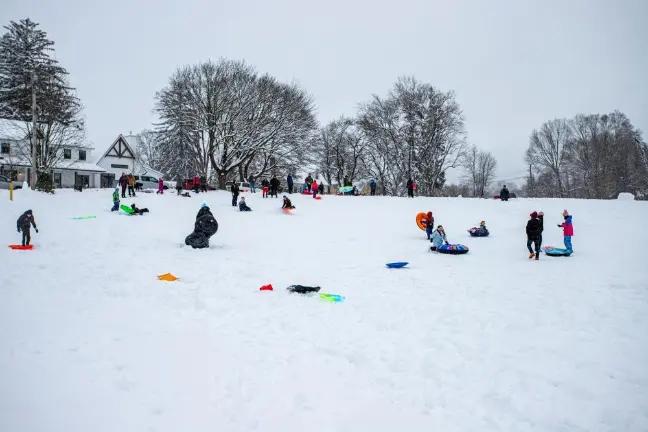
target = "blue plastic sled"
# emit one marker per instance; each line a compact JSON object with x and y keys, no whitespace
{"x":396,"y":265}
{"x":556,"y":252}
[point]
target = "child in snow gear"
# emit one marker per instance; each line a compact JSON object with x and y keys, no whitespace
{"x":314,"y":188}
{"x":438,"y":238}
{"x":568,"y":230}
{"x":480,"y":231}
{"x":429,"y":224}
{"x":308,"y":181}
{"x":274,"y":186}
{"x":139,"y":211}
{"x":534,"y":229}
{"x":504,"y":194}
{"x":235,"y":193}
{"x":243,"y":206}
{"x":205,"y":227}
{"x":265,"y":187}
{"x":115,"y":206}
{"x":286,"y":203}
{"x":23,"y":224}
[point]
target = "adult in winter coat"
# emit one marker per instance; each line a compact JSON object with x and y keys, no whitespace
{"x":286,"y":203}
{"x":131,"y":185}
{"x":243,"y":206}
{"x":24,"y":223}
{"x":314,"y":188}
{"x":289,"y":182}
{"x":568,"y":230}
{"x":429,"y":224}
{"x":179,"y":186}
{"x":410,"y":188}
{"x":438,"y":238}
{"x":205,"y":227}
{"x":235,"y":193}
{"x":274,"y":186}
{"x":534,"y":229}
{"x":308,"y":181}
{"x":504,"y":194}
{"x":252,"y":183}
{"x":320,"y":189}
{"x":115,"y":197}
{"x":123,"y":182}
{"x":196,"y":184}
{"x":160,"y":186}
{"x":372,"y":187}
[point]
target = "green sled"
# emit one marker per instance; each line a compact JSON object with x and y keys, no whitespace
{"x":127,"y":209}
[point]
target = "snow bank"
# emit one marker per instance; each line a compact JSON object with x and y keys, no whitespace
{"x":91,"y":340}
{"x":626,"y":196}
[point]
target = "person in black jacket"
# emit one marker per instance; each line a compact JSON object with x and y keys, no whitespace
{"x":504,"y":194}
{"x":534,"y":230}
{"x":235,"y":193}
{"x":23,"y":224}
{"x":286,"y":203}
{"x":274,"y":186}
{"x":243,"y":206}
{"x":410,"y":188}
{"x":289,"y":182}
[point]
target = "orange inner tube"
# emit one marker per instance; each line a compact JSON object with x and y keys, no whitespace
{"x":421,"y":219}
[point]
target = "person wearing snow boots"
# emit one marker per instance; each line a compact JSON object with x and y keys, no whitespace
{"x":568,"y":230}
{"x":534,"y":229}
{"x":115,"y":197}
{"x":178,"y":186}
{"x":235,"y":193}
{"x":314,"y":188}
{"x":24,"y":223}
{"x":123,"y":182}
{"x":429,"y":224}
{"x":411,"y":185}
{"x":504,"y":194}
{"x":289,"y":182}
{"x":274,"y":186}
{"x":243,"y":206}
{"x":131,"y":185}
{"x":372,"y":187}
{"x":160,"y":186}
{"x":265,"y":187}
{"x":438,"y":238}
{"x":286,"y":203}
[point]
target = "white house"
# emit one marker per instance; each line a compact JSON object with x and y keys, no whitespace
{"x":121,"y":157}
{"x":74,"y":166}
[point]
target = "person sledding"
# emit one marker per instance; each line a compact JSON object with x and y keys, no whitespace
{"x":24,"y":224}
{"x":115,"y":197}
{"x":438,"y":238}
{"x":480,"y":231}
{"x":287,"y":204}
{"x":243,"y":206}
{"x":204,"y":227}
{"x":429,"y":224}
{"x":534,"y":229}
{"x":138,"y":211}
{"x":568,"y":230}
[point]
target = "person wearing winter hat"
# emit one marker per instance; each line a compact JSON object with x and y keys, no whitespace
{"x":24,"y":223}
{"x":534,"y":229}
{"x":243,"y":206}
{"x":115,"y":197}
{"x":438,"y":238}
{"x":568,"y":230}
{"x":429,"y":224}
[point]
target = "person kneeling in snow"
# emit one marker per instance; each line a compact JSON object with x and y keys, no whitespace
{"x":139,"y":211}
{"x":287,"y":204}
{"x":115,"y":206}
{"x":23,"y":224}
{"x":243,"y":206}
{"x":438,"y":238}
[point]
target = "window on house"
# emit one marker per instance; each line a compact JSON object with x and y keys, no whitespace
{"x":82,"y":155}
{"x":119,"y":166}
{"x":67,"y":154}
{"x":4,"y":148}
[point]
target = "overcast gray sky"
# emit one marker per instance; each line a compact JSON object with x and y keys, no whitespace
{"x":512,"y":64}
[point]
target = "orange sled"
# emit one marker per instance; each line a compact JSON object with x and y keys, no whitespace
{"x":421,"y":219}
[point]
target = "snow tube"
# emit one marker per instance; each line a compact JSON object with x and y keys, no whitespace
{"x":302,"y":289}
{"x":556,"y":252}
{"x":453,"y":249}
{"x":396,"y":265}
{"x":478,"y":232}
{"x":421,"y":220}
{"x":345,"y":189}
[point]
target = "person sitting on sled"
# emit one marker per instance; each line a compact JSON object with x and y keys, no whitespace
{"x":286,"y":203}
{"x":23,"y":224}
{"x":139,"y":211}
{"x":243,"y":206}
{"x":438,"y":238}
{"x":568,"y":230}
{"x":115,"y":206}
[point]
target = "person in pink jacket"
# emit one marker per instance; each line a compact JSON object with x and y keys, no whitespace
{"x":568,"y":230}
{"x":314,"y":188}
{"x":160,"y":186}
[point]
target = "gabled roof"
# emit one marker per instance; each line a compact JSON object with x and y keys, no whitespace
{"x":120,"y":148}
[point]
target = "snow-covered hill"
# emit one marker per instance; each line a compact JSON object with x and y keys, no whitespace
{"x":91,"y":340}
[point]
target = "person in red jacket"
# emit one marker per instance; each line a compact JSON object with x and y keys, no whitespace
{"x":568,"y":230}
{"x":314,"y":188}
{"x":196,"y":184}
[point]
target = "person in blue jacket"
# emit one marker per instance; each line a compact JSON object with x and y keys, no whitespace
{"x":438,"y":238}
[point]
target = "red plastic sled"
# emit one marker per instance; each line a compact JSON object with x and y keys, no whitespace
{"x":21,"y":247}
{"x":318,"y":197}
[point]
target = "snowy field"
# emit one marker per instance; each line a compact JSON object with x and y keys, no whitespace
{"x":489,"y":341}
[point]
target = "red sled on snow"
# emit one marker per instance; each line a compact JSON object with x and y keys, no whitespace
{"x":21,"y":247}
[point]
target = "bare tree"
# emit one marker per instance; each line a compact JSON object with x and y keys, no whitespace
{"x":547,"y":149}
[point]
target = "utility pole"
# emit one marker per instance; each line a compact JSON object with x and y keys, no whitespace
{"x":34,"y":137}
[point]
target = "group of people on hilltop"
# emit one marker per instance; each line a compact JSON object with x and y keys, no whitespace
{"x":535,"y":227}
